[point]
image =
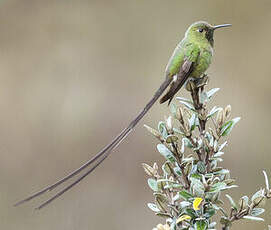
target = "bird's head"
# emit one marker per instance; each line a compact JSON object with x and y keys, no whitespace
{"x":203,"y":32}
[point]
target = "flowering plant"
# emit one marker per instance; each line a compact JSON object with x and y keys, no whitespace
{"x":187,"y":189}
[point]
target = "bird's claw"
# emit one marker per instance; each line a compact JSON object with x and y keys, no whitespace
{"x":194,"y":83}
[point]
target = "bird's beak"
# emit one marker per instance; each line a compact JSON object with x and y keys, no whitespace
{"x":221,"y":26}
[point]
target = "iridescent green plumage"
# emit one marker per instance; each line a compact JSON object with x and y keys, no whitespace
{"x":196,"y":48}
{"x":191,"y":58}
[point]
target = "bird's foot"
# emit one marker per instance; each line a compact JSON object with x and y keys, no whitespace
{"x":197,"y":83}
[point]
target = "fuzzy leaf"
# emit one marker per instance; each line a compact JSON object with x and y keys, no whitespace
{"x":184,"y":204}
{"x":173,"y":225}
{"x":184,"y":99}
{"x":192,"y":122}
{"x":173,"y":109}
{"x":213,"y":111}
{"x":186,"y":142}
{"x":266,"y":181}
{"x":160,"y":196}
{"x":153,"y":207}
{"x":257,"y":211}
{"x":176,"y":186}
{"x":178,"y":131}
{"x":222,"y":145}
{"x":243,"y":202}
{"x":231,"y":186}
{"x":153,"y":131}
{"x":212,"y":225}
{"x":197,"y":186}
{"x":217,"y":187}
{"x":188,"y":105}
{"x":200,"y":225}
{"x":258,"y":196}
{"x":221,"y":172}
{"x":253,"y":218}
{"x":169,"y":122}
{"x":211,"y":92}
{"x":233,"y":204}
{"x":203,"y":98}
{"x":166,"y":180}
{"x":148,"y":169}
{"x":229,"y":181}
{"x":178,"y":171}
{"x":162,"y":214}
{"x":201,"y":167}
{"x":153,"y":184}
{"x":166,"y":168}
{"x":209,"y":213}
{"x":191,"y":212}
{"x":177,"y":197}
{"x":161,"y":201}
{"x":171,"y":139}
{"x":210,"y":138}
{"x":166,"y":153}
{"x":228,"y":126}
{"x":162,"y":129}
{"x":185,"y":195}
{"x":218,"y":154}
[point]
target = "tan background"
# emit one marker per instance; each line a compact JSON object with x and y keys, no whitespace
{"x":73,"y":73}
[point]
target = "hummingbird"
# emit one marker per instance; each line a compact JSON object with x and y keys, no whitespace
{"x":190,"y":59}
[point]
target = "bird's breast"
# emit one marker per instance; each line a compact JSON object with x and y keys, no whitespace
{"x":203,"y":62}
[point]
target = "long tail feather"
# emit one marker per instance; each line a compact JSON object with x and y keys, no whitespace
{"x":70,"y":175}
{"x":99,"y":157}
{"x":98,"y":162}
{"x":74,"y":183}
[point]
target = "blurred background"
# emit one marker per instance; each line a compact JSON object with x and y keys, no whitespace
{"x":74,"y":73}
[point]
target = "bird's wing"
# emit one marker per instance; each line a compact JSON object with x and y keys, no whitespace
{"x":95,"y":161}
{"x":190,"y":59}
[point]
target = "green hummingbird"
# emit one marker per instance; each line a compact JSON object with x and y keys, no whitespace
{"x":190,"y":59}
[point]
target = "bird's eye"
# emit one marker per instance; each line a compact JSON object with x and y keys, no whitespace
{"x":200,"y":30}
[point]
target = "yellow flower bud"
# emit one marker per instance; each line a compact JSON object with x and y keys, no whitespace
{"x":182,"y":218}
{"x":197,"y":203}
